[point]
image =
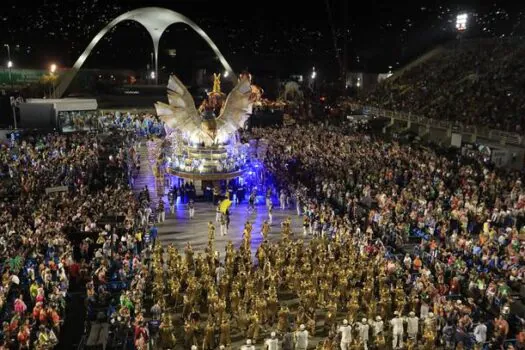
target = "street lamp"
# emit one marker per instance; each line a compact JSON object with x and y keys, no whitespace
{"x":152,"y":75}
{"x":52,"y":70}
{"x":314,"y":73}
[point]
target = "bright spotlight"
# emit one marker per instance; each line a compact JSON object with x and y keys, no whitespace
{"x":152,"y":75}
{"x":9,"y":64}
{"x":53,"y":68}
{"x":461,"y":22}
{"x":226,"y":73}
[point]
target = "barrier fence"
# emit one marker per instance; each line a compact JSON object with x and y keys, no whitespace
{"x":480,"y":131}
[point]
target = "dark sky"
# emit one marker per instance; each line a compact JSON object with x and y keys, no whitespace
{"x":274,"y":36}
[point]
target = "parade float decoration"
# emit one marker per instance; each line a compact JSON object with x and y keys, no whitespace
{"x":204,"y":141}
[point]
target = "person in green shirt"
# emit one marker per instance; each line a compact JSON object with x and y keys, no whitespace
{"x":33,"y":290}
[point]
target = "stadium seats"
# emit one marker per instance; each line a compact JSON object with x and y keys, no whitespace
{"x":474,"y":82}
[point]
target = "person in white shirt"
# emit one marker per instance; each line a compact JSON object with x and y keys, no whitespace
{"x":282,"y":200}
{"x":301,"y":338}
{"x":364,"y":331}
{"x":424,"y":310}
{"x":224,"y":226}
{"x":412,"y":325}
{"x":191,"y":207}
{"x":407,"y":261}
{"x":480,"y":332}
{"x":147,"y":214}
{"x":218,"y":213}
{"x":272,"y":343}
{"x":346,"y":335}
{"x":397,"y":331}
{"x":377,"y":326}
{"x":248,"y":345}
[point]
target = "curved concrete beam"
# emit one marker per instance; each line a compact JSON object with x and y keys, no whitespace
{"x":156,"y":20}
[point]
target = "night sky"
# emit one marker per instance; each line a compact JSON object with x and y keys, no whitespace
{"x":283,"y":37}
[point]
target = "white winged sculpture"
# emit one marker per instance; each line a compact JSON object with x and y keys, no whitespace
{"x":182,"y":114}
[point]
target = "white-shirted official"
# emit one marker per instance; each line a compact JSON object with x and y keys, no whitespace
{"x":364,"y":331}
{"x":480,"y":332}
{"x":248,"y":345}
{"x":412,"y":325}
{"x":425,"y":309}
{"x":397,"y":331}
{"x":272,"y":343}
{"x":377,"y":326}
{"x":346,"y":335}
{"x":301,"y":338}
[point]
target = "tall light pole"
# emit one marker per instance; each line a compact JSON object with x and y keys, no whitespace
{"x":461,"y":24}
{"x":312,"y":78}
{"x":10,"y":66}
{"x":154,"y":76}
{"x":52,"y":70}
{"x":9,"y":63}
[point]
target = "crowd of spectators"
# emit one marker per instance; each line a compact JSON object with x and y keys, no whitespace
{"x":473,"y":82}
{"x":69,"y":218}
{"x":55,"y":190}
{"x":467,"y":218}
{"x":142,"y":124}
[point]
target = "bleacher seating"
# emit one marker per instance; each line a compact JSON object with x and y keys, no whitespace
{"x":473,"y":82}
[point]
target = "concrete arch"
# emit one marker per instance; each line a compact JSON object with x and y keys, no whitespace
{"x":155,"y":20}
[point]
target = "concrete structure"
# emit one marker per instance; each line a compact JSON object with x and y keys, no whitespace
{"x":508,"y":148}
{"x":156,"y":20}
{"x":45,"y":113}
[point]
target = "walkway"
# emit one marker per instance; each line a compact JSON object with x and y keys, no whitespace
{"x":146,"y":177}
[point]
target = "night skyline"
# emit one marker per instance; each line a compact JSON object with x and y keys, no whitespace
{"x":291,"y":38}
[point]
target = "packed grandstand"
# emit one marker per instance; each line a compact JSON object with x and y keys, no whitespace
{"x":476,"y":82}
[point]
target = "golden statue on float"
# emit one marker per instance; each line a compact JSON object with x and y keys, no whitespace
{"x":217,"y":118}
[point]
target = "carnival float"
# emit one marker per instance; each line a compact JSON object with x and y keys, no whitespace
{"x":203,"y":143}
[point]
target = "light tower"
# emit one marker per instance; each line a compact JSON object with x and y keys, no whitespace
{"x":461,"y":25}
{"x":461,"y":22}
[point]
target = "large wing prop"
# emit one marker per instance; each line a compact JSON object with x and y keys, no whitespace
{"x":237,"y":108}
{"x":180,"y":113}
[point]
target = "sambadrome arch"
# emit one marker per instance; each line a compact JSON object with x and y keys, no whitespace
{"x":156,"y":20}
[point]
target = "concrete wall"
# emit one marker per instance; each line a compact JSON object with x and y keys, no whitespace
{"x":504,"y":155}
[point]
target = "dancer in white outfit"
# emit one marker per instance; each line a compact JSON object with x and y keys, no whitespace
{"x":397,"y":331}
{"x":346,"y":335}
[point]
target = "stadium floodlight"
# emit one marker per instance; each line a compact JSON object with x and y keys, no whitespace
{"x":461,"y":22}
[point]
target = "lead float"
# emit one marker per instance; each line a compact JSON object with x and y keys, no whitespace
{"x":203,"y":144}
